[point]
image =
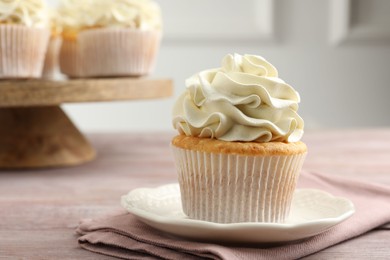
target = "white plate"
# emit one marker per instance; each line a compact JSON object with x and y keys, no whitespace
{"x":312,"y":212}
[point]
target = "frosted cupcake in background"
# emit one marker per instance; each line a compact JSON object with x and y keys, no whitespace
{"x":24,"y":38}
{"x":113,"y":37}
{"x":124,"y":39}
{"x":238,"y":152}
{"x":71,"y":20}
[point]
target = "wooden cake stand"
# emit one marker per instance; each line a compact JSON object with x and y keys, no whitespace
{"x":35,"y":131}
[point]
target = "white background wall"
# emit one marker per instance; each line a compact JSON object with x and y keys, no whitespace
{"x":336,"y":53}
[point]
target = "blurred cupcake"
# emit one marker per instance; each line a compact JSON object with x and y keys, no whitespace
{"x":72,"y":19}
{"x":238,"y":154}
{"x":124,"y":39}
{"x":118,"y":37}
{"x":24,"y":38}
{"x":51,"y":64}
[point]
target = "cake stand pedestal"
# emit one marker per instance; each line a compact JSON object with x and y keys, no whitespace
{"x":35,"y":131}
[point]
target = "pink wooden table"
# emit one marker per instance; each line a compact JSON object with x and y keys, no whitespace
{"x":40,"y":209}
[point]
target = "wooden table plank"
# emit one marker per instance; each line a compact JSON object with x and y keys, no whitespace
{"x":39,"y":209}
{"x":373,"y":245}
{"x":363,"y":154}
{"x":43,"y":244}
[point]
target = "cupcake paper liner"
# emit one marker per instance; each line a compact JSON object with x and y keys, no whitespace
{"x":119,"y":52}
{"x":71,"y":60}
{"x":51,"y":64}
{"x":229,"y":188}
{"x":22,"y":51}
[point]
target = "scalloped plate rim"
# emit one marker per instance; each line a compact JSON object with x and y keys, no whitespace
{"x":321,"y":225}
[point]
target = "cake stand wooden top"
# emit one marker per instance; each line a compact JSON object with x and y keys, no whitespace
{"x":24,"y":93}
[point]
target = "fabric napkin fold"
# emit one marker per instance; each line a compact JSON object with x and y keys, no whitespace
{"x":123,"y":236}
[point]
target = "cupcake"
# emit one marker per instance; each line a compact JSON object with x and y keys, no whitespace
{"x":117,"y":37}
{"x":72,"y":19}
{"x":238,"y":153}
{"x":24,"y":37}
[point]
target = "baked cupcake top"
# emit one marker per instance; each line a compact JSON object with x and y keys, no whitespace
{"x":241,"y":148}
{"x":136,"y":14}
{"x":244,"y":100}
{"x":30,"y":13}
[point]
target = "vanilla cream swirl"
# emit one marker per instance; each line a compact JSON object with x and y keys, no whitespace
{"x":74,"y":14}
{"x":31,"y":13}
{"x":242,"y":101}
{"x":135,"y":14}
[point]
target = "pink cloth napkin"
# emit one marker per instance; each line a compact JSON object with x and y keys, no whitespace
{"x":125,"y":237}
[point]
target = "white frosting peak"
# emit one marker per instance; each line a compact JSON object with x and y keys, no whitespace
{"x":242,"y":101}
{"x":31,"y":13}
{"x":250,"y":64}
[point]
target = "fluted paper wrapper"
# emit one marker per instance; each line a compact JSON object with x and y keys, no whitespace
{"x":229,"y":188}
{"x":71,"y":60}
{"x":22,"y":51}
{"x":119,"y":52}
{"x":51,"y":64}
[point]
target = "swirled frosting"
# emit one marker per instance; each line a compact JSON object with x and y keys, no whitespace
{"x":137,"y":14}
{"x":31,"y":13}
{"x":70,"y":17}
{"x":244,"y":100}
